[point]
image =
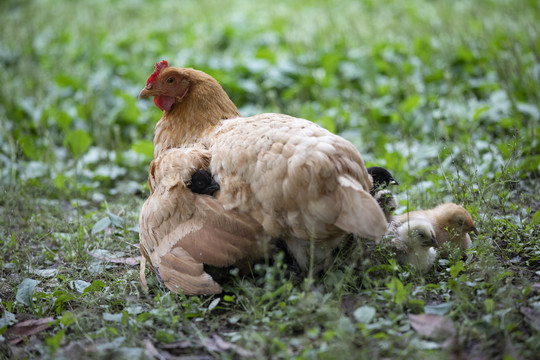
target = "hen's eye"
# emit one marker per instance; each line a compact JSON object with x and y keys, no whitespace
{"x":170,"y":80}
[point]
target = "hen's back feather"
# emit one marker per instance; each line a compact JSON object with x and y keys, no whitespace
{"x":293,"y":167}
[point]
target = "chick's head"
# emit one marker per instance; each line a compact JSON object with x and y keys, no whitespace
{"x":418,"y":233}
{"x":455,"y":219}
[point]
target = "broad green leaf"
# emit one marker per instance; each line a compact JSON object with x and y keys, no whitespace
{"x":96,"y":285}
{"x":456,"y":269}
{"x":400,"y":292}
{"x":25,"y":291}
{"x":112,"y":317}
{"x":29,"y":147}
{"x":410,"y":103}
{"x":101,"y":225}
{"x":67,"y":319}
{"x":53,"y":342}
{"x":130,"y":112}
{"x":115,"y":219}
{"x":144,"y":147}
{"x":328,"y":123}
{"x":489,"y":305}
{"x":61,"y":298}
{"x":536,"y":218}
{"x":364,"y":314}
{"x":46,"y":273}
{"x":439,"y":309}
{"x":79,"y":285}
{"x":60,"y":181}
{"x":164,"y":336}
{"x":77,"y":141}
{"x":8,"y":319}
{"x":213,"y":304}
{"x":478,"y":112}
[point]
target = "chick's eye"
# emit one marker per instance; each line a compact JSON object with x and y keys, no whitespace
{"x":170,"y":80}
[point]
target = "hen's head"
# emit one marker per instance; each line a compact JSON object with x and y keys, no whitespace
{"x":173,"y":85}
{"x":167,"y":84}
{"x":455,"y":218}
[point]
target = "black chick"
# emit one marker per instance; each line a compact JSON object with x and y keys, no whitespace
{"x":381,"y":180}
{"x":203,"y":183}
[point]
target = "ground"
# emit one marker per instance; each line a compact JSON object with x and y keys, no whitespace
{"x":444,"y":94}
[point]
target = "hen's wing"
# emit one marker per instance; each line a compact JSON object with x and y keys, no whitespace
{"x":181,"y":231}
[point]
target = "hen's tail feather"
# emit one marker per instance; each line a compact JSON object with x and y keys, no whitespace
{"x":360,"y":214}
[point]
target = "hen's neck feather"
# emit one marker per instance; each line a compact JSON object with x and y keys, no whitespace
{"x":198,"y":113}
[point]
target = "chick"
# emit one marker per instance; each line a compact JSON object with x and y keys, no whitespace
{"x":451,"y":222}
{"x":386,"y":200}
{"x":414,"y":242}
{"x":203,"y":183}
{"x":381,"y":178}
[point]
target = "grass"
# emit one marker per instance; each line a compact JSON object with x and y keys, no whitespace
{"x":444,"y":94}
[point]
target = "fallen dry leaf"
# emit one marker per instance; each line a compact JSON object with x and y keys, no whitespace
{"x":152,"y":353}
{"x":433,"y":325}
{"x":532,"y":315}
{"x":19,"y":331}
{"x":217,"y":344}
{"x":184,"y":344}
{"x":132,"y":261}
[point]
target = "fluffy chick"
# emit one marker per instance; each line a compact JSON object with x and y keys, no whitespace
{"x":387,"y":202}
{"x":414,"y":243}
{"x":451,"y":222}
{"x":203,"y":183}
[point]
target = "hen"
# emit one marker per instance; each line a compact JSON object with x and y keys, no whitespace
{"x":450,"y":221}
{"x":297,"y":180}
{"x":180,"y":231}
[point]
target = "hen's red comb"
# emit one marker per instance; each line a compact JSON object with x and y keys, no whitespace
{"x":159,"y":66}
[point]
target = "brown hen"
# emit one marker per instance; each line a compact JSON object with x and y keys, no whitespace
{"x":299,"y":182}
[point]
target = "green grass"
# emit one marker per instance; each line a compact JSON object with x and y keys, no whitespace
{"x":444,"y":94}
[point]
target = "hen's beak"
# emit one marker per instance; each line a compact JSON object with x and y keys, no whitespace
{"x":146,"y":92}
{"x":434,"y":242}
{"x":393,"y":182}
{"x":475,"y":230}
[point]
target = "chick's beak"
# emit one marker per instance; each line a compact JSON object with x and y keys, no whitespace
{"x":146,"y":92}
{"x":213,"y":187}
{"x":434,"y":242}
